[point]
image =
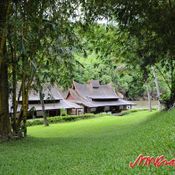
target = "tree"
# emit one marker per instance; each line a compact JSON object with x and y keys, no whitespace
{"x":157,"y":87}
{"x":40,"y":36}
{"x":144,"y":20}
{"x":5,"y":128}
{"x":110,"y":59}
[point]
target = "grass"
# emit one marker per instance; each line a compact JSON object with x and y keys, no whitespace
{"x":99,"y":146}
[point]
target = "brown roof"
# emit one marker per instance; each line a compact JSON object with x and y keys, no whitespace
{"x":80,"y":100}
{"x":103,"y":95}
{"x":62,"y":104}
{"x":51,"y":94}
{"x":100,"y":92}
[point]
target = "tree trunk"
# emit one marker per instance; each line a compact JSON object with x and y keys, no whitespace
{"x":24,"y":105}
{"x":14,"y":82}
{"x":46,"y":123}
{"x":14,"y":74}
{"x":169,"y":103}
{"x":149,"y":100}
{"x":157,"y":87}
{"x":172,"y":96}
{"x":5,"y":129}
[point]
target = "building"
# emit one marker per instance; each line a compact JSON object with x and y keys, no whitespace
{"x":53,"y":102}
{"x":94,"y":97}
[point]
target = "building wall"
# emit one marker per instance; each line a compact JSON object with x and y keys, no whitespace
{"x":112,"y":109}
{"x":49,"y":113}
{"x":75,"y":111}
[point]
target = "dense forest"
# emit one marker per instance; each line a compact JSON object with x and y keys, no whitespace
{"x":127,"y":43}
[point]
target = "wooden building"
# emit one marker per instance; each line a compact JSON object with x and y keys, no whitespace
{"x":96,"y":98}
{"x":53,"y":102}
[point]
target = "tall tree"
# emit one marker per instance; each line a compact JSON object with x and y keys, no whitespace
{"x":157,"y":87}
{"x":43,"y":39}
{"x":146,"y":21}
{"x":5,"y":128}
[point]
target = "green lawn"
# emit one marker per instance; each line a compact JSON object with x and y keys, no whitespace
{"x":103,"y":145}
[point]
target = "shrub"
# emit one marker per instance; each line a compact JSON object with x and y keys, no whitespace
{"x":67,"y":118}
{"x":33,"y":122}
{"x":63,"y":112}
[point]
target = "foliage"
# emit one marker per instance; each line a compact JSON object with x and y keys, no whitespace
{"x":46,"y":40}
{"x":58,"y":119}
{"x":102,"y":145}
{"x":68,"y":118}
{"x":43,"y":38}
{"x":111,"y":56}
{"x":128,"y":81}
{"x":145,"y":22}
{"x":40,"y":43}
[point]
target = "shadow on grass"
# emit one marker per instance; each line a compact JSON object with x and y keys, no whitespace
{"x":75,"y":140}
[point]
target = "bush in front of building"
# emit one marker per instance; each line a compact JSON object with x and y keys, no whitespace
{"x":68,"y":118}
{"x":59,"y":119}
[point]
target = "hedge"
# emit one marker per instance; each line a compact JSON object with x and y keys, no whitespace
{"x":59,"y":119}
{"x":68,"y":118}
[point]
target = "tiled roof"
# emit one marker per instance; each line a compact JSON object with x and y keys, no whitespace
{"x":63,"y":104}
{"x":102,"y":92}
{"x":89,"y":96}
{"x":51,"y":94}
